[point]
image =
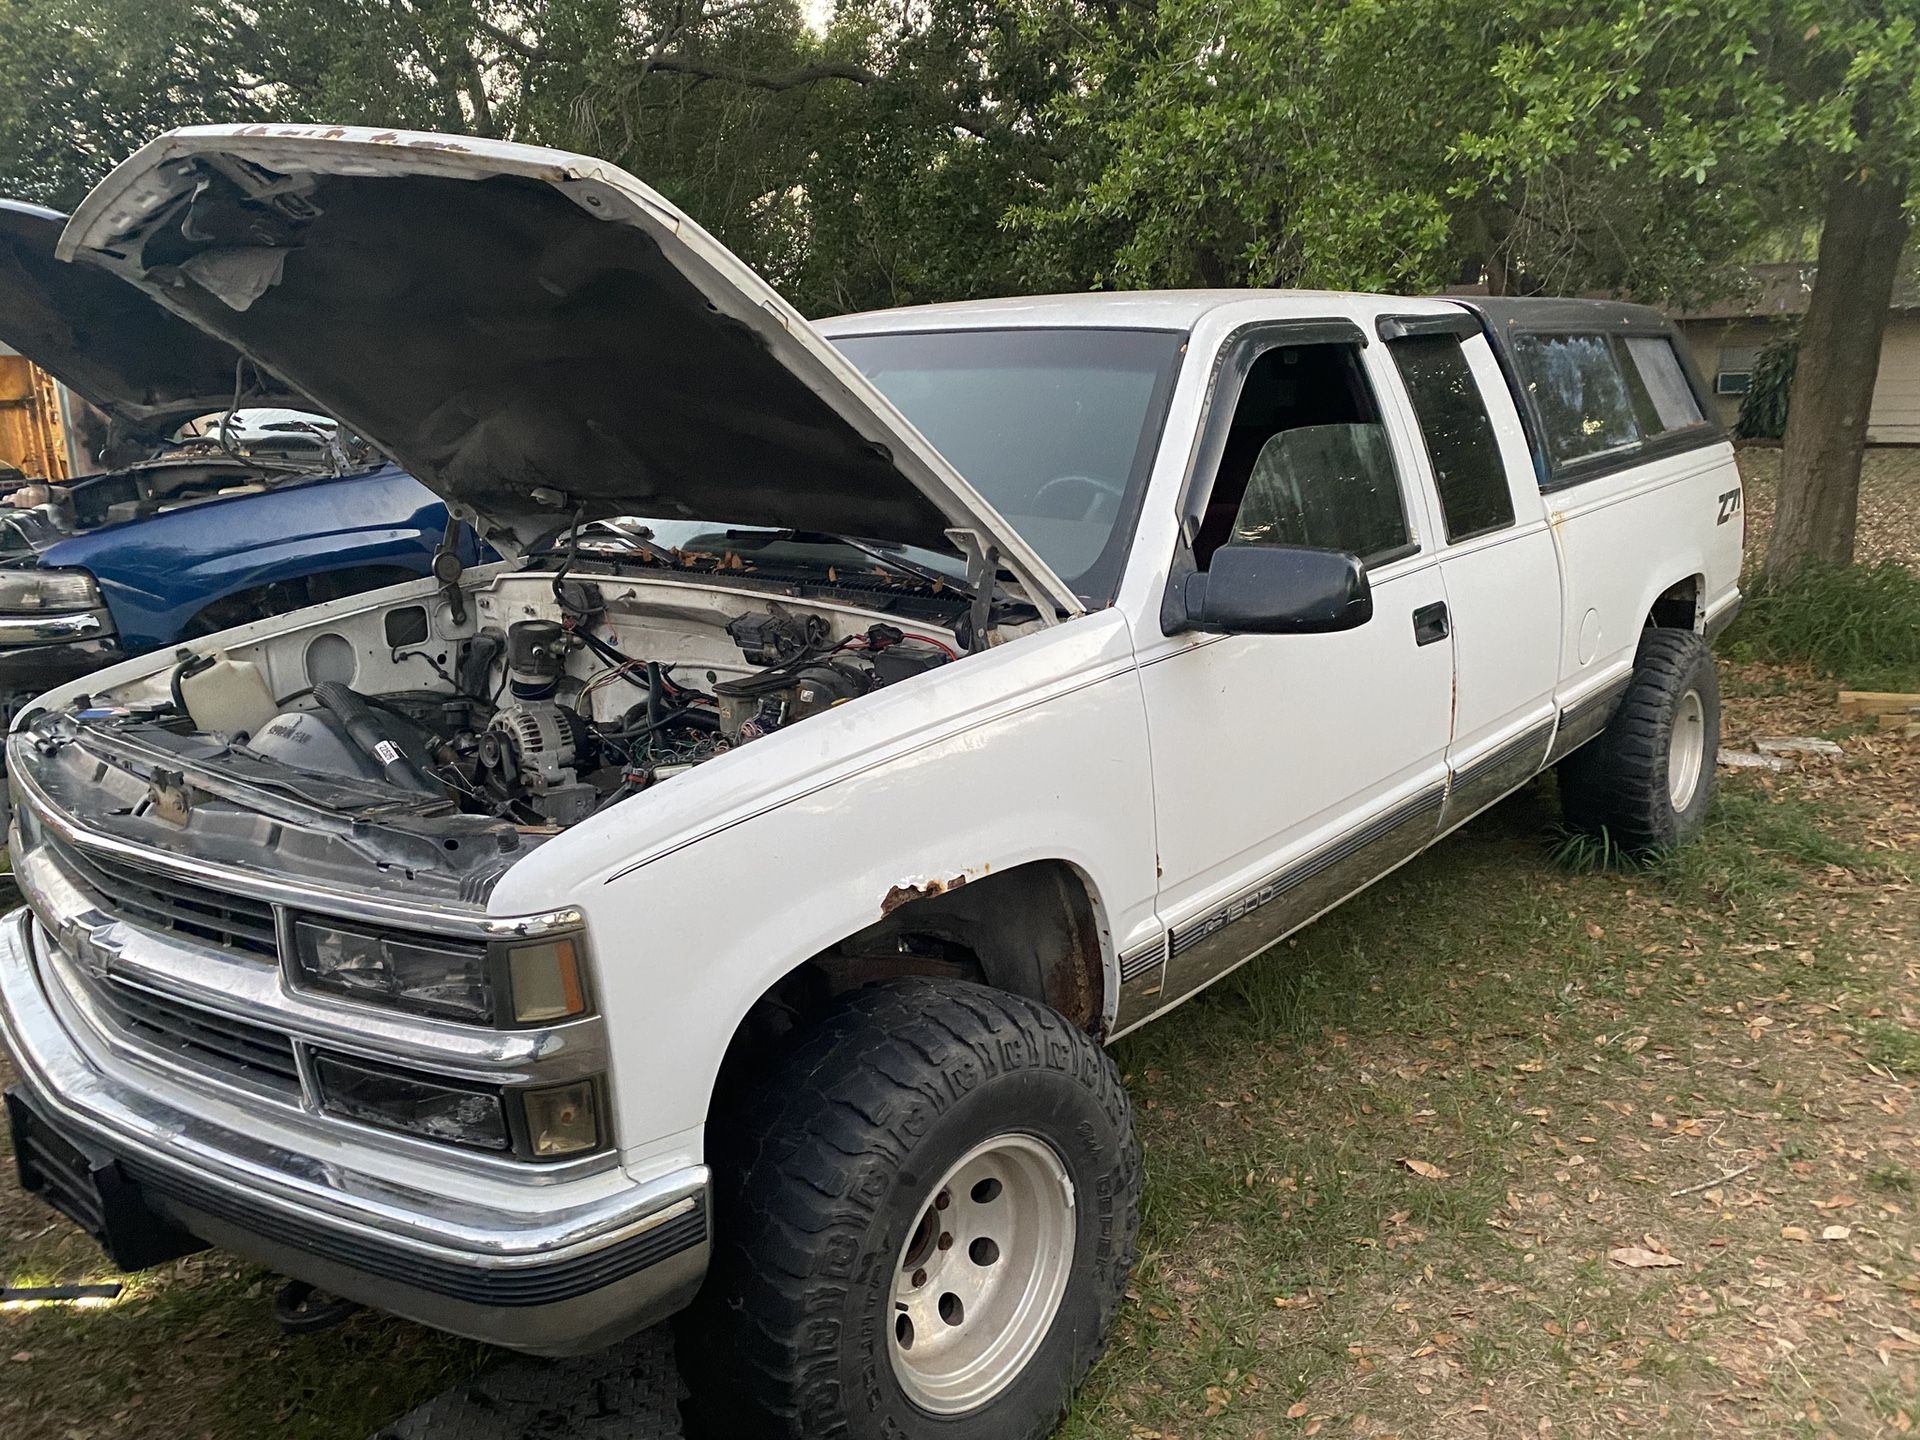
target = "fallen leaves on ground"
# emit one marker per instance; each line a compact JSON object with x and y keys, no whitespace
{"x":1638,"y":1257}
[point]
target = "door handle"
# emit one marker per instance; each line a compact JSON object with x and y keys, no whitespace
{"x":1430,"y":623}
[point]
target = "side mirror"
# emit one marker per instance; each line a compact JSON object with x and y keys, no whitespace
{"x":1277,"y":590}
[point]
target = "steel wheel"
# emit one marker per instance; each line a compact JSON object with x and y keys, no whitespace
{"x":981,"y":1277}
{"x":1687,"y":750}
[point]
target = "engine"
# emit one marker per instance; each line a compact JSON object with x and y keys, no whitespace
{"x":544,"y":752}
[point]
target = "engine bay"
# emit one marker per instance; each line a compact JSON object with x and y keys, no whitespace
{"x":541,"y":709}
{"x":542,"y":752}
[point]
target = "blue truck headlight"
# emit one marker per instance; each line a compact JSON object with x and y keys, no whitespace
{"x":31,"y":591}
{"x":397,"y":1100}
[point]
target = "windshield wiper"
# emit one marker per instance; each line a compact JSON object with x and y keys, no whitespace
{"x":567,"y":540}
{"x":886,"y":557}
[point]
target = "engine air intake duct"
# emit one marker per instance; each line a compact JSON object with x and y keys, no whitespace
{"x":366,"y":729}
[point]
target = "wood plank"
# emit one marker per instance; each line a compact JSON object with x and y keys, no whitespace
{"x":1858,"y":704}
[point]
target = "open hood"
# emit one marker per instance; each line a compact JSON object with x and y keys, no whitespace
{"x":104,"y":340}
{"x":536,"y":335}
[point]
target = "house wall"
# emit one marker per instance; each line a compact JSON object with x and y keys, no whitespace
{"x":1895,"y":416}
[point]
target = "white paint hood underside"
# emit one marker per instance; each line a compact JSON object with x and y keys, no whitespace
{"x":534,"y":334}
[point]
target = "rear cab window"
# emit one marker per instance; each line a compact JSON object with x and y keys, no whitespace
{"x":1468,"y":470}
{"x":1603,"y":386}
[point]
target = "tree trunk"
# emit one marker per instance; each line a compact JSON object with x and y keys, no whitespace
{"x":1817,"y":507}
{"x":1499,"y":282}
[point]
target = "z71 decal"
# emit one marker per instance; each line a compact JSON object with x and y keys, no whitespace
{"x":1729,"y":506}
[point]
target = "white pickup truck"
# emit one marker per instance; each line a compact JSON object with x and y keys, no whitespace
{"x":721,"y":906}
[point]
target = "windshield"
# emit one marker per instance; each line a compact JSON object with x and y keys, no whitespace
{"x":1055,"y":427}
{"x":262,"y":428}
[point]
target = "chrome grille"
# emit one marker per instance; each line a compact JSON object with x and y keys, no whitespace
{"x":202,"y":1038}
{"x":160,"y":901}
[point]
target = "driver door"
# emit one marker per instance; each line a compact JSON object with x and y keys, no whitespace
{"x":1290,"y":770}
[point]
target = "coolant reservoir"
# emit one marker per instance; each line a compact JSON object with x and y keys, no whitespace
{"x":230,"y":696}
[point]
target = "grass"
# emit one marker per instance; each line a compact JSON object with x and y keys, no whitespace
{"x":1570,"y":1042}
{"x":1859,"y":625}
{"x":1567,"y":1043}
{"x":1893,"y":1047}
{"x":1706,"y":1053}
{"x":1582,"y":853}
{"x":1754,"y":847}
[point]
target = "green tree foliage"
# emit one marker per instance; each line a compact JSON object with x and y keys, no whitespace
{"x":1766,"y":109}
{"x":1254,"y":143}
{"x":84,"y":83}
{"x":1763,"y":409}
{"x":930,"y":149}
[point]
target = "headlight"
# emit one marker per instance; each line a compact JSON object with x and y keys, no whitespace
{"x":35,"y":592}
{"x":510,"y":982}
{"x":394,"y":1100}
{"x":549,"y":1124}
{"x":431,"y":976}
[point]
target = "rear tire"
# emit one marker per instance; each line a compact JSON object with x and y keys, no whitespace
{"x":1645,"y":782}
{"x":924,"y":1225}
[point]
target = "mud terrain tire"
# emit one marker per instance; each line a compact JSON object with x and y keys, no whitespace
{"x":827,"y":1179}
{"x":1645,"y":782}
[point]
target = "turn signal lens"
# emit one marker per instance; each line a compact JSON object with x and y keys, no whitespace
{"x":561,"y":1121}
{"x":545,"y":980}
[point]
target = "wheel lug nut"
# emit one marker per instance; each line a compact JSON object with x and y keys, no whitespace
{"x":946,"y":1242}
{"x":919,"y":1277}
{"x":942,"y":1200}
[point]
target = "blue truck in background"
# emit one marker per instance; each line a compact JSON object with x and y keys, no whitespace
{"x":190,"y":528}
{"x":202,"y":568}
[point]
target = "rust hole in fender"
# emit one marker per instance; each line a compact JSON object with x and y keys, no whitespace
{"x":905,"y":894}
{"x":1073,"y":981}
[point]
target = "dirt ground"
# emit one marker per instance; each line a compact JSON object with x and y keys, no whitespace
{"x":1505,"y":1147}
{"x":1889,"y":498}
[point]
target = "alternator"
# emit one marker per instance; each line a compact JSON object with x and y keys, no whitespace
{"x":547,"y":741}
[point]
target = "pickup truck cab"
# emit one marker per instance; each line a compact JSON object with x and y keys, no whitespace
{"x":723,"y":912}
{"x":190,"y":528}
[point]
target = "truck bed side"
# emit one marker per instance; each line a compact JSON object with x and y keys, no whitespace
{"x":1647,"y":518}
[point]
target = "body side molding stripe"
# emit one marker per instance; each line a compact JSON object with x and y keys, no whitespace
{"x":1290,"y":877}
{"x":1141,"y":959}
{"x":1505,"y":751}
{"x":1498,"y":773}
{"x":1588,"y":716}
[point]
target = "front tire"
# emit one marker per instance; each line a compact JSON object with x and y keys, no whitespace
{"x":924,"y":1225}
{"x":1644,"y":784}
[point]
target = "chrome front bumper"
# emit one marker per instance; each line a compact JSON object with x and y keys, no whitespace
{"x":38,"y":652}
{"x":56,"y":627}
{"x":555,"y":1268}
